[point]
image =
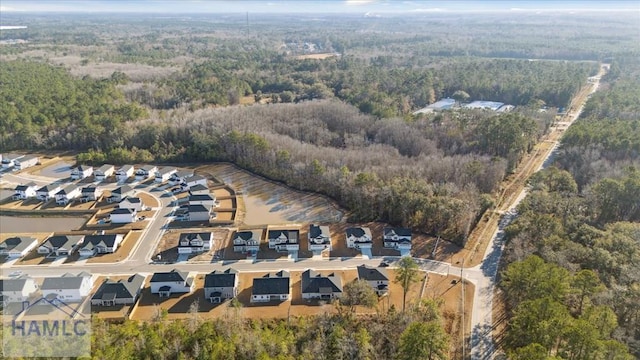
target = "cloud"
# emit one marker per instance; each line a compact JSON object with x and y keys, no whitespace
{"x":7,"y":8}
{"x":358,"y":2}
{"x":428,"y":10}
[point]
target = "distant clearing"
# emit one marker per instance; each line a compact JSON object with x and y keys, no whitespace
{"x":316,"y":56}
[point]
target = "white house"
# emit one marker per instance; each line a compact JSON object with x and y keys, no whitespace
{"x":377,"y":278}
{"x":68,"y":287}
{"x":194,"y":180}
{"x":397,"y":238}
{"x":90,"y":193}
{"x":133,"y":203}
{"x":164,"y":174}
{"x":271,"y":287}
{"x":26,"y":162}
{"x":81,"y":172}
{"x":23,"y":192}
{"x":123,"y":216}
{"x":121,"y":292}
{"x":47,"y":192}
{"x":99,"y":244}
{"x":190,"y":243}
{"x":146,"y":172}
{"x":317,"y":286}
{"x":179,"y":177}
{"x":124,"y":172}
{"x":17,"y":290}
{"x":67,"y":194}
{"x":60,"y":245}
{"x":199,"y":213}
{"x":359,"y":238}
{"x":220,"y":285}
{"x":319,"y":238}
{"x":174,"y":282}
{"x":284,"y":240}
{"x":8,"y":160}
{"x":247,"y":241}
{"x":206,"y":200}
{"x":104,"y":172}
{"x":120,"y":193}
{"x":199,"y":190}
{"x":15,"y":247}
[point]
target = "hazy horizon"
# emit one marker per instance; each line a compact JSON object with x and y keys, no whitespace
{"x":289,"y":6}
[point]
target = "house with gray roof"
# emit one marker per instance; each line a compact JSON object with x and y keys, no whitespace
{"x":163,"y":174}
{"x":17,"y":290}
{"x":23,"y":192}
{"x":271,"y":287}
{"x":60,"y":245}
{"x":26,"y":162}
{"x":146,"y":172}
{"x":67,"y":194}
{"x":359,"y":238}
{"x":104,"y":172}
{"x":17,"y":246}
{"x":68,"y":287}
{"x":179,"y":177}
{"x":284,"y":239}
{"x":81,"y":172}
{"x":204,"y":199}
{"x":173,"y":282}
{"x":319,"y":237}
{"x":9,"y":160}
{"x":377,"y":278}
{"x":318,"y":286}
{"x":194,"y":242}
{"x":47,"y":192}
{"x":100,"y":244}
{"x":200,"y":213}
{"x":120,"y":193}
{"x":90,"y":193}
{"x":397,"y":238}
{"x":199,"y":190}
{"x":123,"y":173}
{"x":121,"y":292}
{"x":221,"y":285}
{"x":247,"y":241}
{"x":194,"y":180}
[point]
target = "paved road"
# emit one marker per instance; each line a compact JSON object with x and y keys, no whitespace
{"x":484,"y":275}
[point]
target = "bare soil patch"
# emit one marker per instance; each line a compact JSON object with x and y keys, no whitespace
{"x":316,"y":56}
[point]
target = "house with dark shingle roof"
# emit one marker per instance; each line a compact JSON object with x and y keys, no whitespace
{"x":397,"y":238}
{"x":60,"y":245}
{"x":204,"y":199}
{"x":120,"y":193}
{"x":67,"y":194}
{"x":199,"y":190}
{"x":284,"y":240}
{"x":68,"y":287}
{"x":359,"y":238}
{"x":377,"y":278}
{"x":23,"y":192}
{"x":123,"y":216}
{"x":121,"y":292}
{"x":100,"y":244}
{"x":194,"y":180}
{"x":123,"y":173}
{"x":318,"y":286}
{"x":47,"y":192}
{"x":17,"y":290}
{"x":104,"y":172}
{"x":199,"y":213}
{"x":129,"y":202}
{"x":17,"y":246}
{"x":221,"y":285}
{"x":195,"y":242}
{"x":247,"y":240}
{"x":146,"y":172}
{"x":179,"y":177}
{"x":319,"y":238}
{"x":163,"y":174}
{"x":81,"y":172}
{"x":90,"y":193}
{"x":173,"y":282}
{"x":271,"y":287}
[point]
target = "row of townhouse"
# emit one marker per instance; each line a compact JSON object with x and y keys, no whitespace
{"x":18,"y":161}
{"x":100,"y":174}
{"x":319,"y":239}
{"x":219,"y":285}
{"x":61,"y":245}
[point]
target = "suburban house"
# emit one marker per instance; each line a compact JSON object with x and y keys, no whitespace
{"x":121,"y":292}
{"x":164,"y":174}
{"x":70,"y":192}
{"x":179,"y":177}
{"x":174,"y":282}
{"x":123,"y":216}
{"x":284,"y":240}
{"x":318,"y":286}
{"x":68,"y":287}
{"x":9,"y":160}
{"x":194,"y":180}
{"x":17,"y":290}
{"x":206,"y":200}
{"x":47,"y":192}
{"x":221,"y":285}
{"x":81,"y":172}
{"x":124,"y":173}
{"x":195,"y":242}
{"x":319,"y":238}
{"x":146,"y":172}
{"x":104,"y":172}
{"x":99,"y":244}
{"x":359,"y":238}
{"x":120,"y":193}
{"x":23,"y":192}
{"x":376,"y":277}
{"x":199,"y":213}
{"x":133,"y":203}
{"x":247,"y":241}
{"x":26,"y":162}
{"x":199,"y":190}
{"x":90,"y":193}
{"x":60,"y":245}
{"x":271,"y":287}
{"x":14,"y":247}
{"x":397,"y":238}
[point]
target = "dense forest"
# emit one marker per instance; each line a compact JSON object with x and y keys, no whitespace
{"x":577,"y":236}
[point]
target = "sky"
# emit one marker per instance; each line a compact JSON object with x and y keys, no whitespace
{"x":307,"y":6}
